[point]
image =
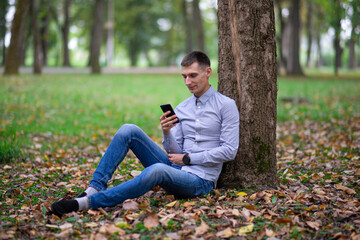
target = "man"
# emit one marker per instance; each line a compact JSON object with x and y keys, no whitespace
{"x":206,"y":136}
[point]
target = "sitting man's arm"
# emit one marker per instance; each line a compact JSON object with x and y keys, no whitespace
{"x":229,"y":139}
{"x":169,"y":142}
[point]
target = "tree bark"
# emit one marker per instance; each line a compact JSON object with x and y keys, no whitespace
{"x":96,"y":37}
{"x":17,"y":32}
{"x":319,"y":59}
{"x":37,"y":64}
{"x":198,"y":26}
{"x":293,"y":60}
{"x":65,"y":33}
{"x":110,"y":33}
{"x":280,"y":35}
{"x":44,"y":29}
{"x":351,"y":61}
{"x":309,"y":32}
{"x":187,"y":26}
{"x":248,"y":74}
{"x":4,"y":5}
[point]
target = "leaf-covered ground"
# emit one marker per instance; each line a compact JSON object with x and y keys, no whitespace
{"x":317,"y":197}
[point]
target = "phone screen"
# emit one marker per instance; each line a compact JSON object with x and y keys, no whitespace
{"x":168,"y":107}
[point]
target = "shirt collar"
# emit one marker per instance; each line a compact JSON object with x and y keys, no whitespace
{"x":203,"y":98}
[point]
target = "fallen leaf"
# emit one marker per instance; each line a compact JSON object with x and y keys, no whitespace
{"x":172,"y":204}
{"x":130,"y":205}
{"x":242,"y":194}
{"x":151,"y":220}
{"x":202,"y":228}
{"x":246,"y":229}
{"x":226,"y":233}
{"x":315,"y":225}
{"x":111,"y":229}
{"x":344,"y":188}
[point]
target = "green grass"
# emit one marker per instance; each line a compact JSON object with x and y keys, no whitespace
{"x":89,"y":106}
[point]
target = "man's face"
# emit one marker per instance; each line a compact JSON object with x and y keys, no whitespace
{"x":196,"y":78}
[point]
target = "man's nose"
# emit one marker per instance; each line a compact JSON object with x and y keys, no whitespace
{"x":187,"y":81}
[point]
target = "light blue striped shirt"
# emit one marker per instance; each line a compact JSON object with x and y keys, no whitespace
{"x":208,"y":131}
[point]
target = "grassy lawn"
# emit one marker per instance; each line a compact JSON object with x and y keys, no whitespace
{"x":54,"y":128}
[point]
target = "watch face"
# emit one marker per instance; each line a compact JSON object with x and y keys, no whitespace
{"x":186,"y":159}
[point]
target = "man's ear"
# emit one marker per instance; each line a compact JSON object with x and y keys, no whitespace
{"x":208,"y":72}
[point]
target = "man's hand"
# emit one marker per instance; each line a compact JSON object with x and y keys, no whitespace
{"x":167,"y":122}
{"x":176,"y":158}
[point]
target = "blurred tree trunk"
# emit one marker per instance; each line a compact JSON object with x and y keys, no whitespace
{"x":309,"y":26}
{"x":319,"y":60}
{"x":293,"y":60}
{"x":17,"y":32}
{"x":65,"y":33}
{"x":248,"y":74}
{"x":352,"y":62}
{"x":282,"y":62}
{"x":199,"y":30}
{"x":4,"y":5}
{"x":37,"y":64}
{"x":110,"y":33}
{"x":96,"y":36}
{"x":355,"y":23}
{"x":44,"y":29}
{"x":187,"y":26}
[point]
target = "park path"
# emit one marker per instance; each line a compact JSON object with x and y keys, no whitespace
{"x":105,"y":70}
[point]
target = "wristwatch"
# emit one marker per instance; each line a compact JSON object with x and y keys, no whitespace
{"x":186,"y":159}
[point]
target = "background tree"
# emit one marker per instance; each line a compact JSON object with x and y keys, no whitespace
{"x":293,"y":66}
{"x":4,"y":5}
{"x":199,"y":30}
{"x":65,"y":33}
{"x":248,"y":74}
{"x":17,"y":32}
{"x":37,"y":53}
{"x":309,"y":31}
{"x":96,"y":36}
{"x":354,"y":11}
{"x":187,"y":26}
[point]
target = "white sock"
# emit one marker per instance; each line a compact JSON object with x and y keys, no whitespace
{"x":83,"y":203}
{"x":91,"y":191}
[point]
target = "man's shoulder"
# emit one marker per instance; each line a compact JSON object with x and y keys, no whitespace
{"x":223,"y":99}
{"x":185,"y":102}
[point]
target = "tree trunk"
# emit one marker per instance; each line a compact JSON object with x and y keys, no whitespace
{"x":65,"y":33}
{"x":17,"y":32}
{"x":293,"y":60}
{"x":187,"y":26}
{"x":110,"y":33}
{"x":37,"y":64}
{"x":280,"y":35}
{"x":4,"y":5}
{"x":319,"y":59}
{"x":248,"y":74}
{"x":96,"y":37}
{"x":309,"y":32}
{"x":198,"y":26}
{"x":44,"y":29}
{"x":352,"y":62}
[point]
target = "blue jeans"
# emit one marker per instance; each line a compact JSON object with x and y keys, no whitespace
{"x":159,"y":171}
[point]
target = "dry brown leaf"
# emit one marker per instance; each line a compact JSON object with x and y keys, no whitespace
{"x":202,"y":228}
{"x":151,"y":221}
{"x":111,"y":229}
{"x":344,"y":188}
{"x":188,"y":204}
{"x":226,"y":233}
{"x":315,"y":225}
{"x":130,"y":205}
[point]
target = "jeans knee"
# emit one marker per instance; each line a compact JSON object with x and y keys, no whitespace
{"x":127,"y":130}
{"x":155,"y":172}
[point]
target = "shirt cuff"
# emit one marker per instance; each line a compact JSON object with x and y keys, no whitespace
{"x":196,"y":158}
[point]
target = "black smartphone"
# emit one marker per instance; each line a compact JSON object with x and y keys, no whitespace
{"x":168,"y":107}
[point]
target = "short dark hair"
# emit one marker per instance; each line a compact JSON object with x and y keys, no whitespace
{"x":196,"y":56}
